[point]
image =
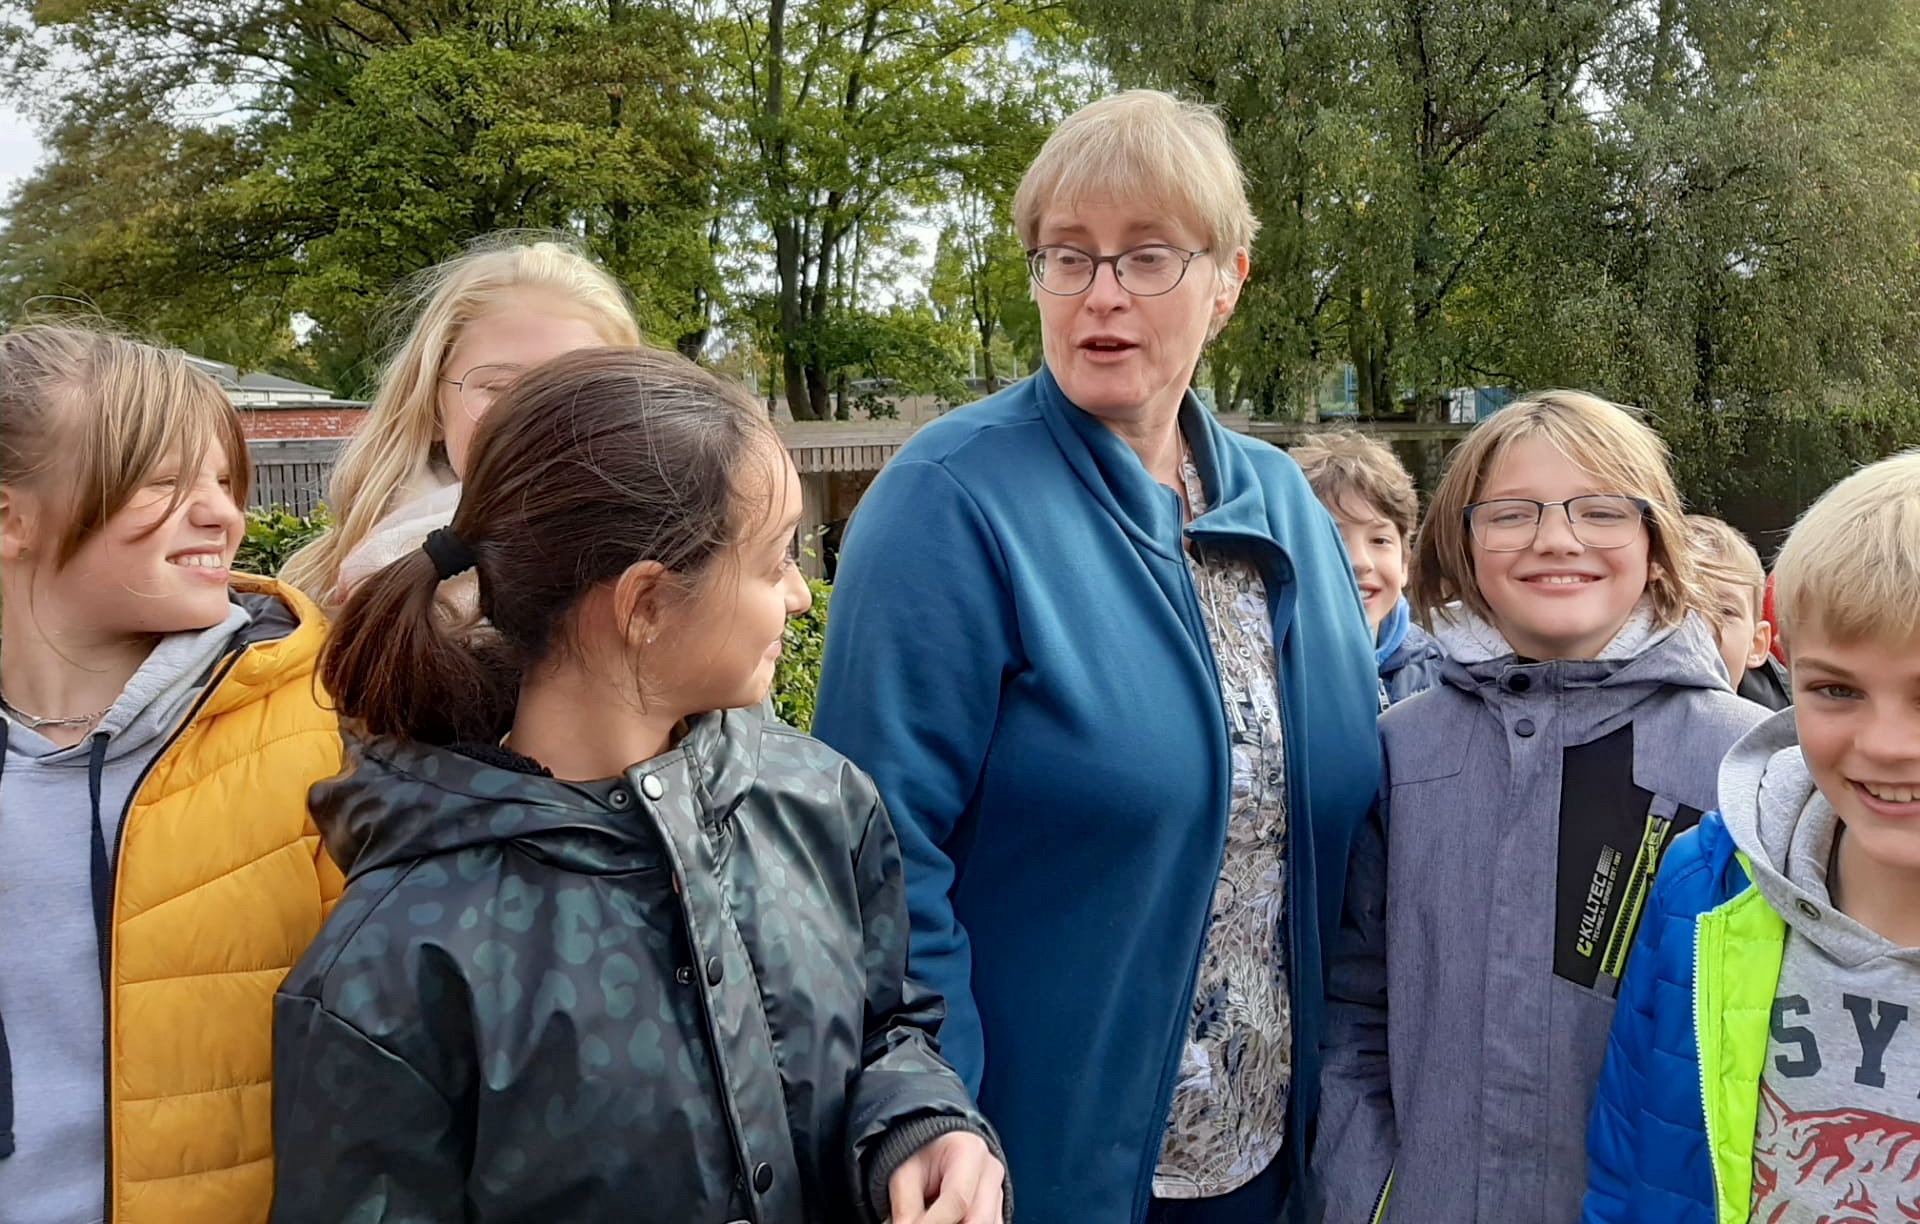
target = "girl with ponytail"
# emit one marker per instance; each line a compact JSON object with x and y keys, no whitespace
{"x":612,"y":946}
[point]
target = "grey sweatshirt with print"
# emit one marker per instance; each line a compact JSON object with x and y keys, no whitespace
{"x":1490,"y":903}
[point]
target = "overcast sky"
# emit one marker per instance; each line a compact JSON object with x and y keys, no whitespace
{"x":19,"y":150}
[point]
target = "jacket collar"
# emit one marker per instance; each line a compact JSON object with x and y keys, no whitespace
{"x":279,"y":646}
{"x":1642,"y":658}
{"x":401,"y":799}
{"x":1147,"y":510}
{"x":1393,"y":631}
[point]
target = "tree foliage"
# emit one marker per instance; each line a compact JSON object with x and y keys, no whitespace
{"x":845,"y":118}
{"x":1675,"y":202}
{"x":370,"y":140}
{"x":1707,"y":207}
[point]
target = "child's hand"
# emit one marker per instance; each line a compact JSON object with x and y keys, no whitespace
{"x":953,"y":1180}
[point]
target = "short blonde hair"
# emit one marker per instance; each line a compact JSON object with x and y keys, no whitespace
{"x":1851,"y":566}
{"x":1726,"y":558}
{"x":1611,"y":443}
{"x":1343,"y":464}
{"x":398,"y":441}
{"x":1147,"y":147}
{"x":95,"y":415}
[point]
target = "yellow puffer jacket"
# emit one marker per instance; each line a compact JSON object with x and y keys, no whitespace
{"x":221,"y":884}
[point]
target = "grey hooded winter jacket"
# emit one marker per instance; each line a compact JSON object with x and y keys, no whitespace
{"x":1490,"y":906}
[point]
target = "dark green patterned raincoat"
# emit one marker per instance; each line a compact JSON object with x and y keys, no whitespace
{"x":674,"y":996}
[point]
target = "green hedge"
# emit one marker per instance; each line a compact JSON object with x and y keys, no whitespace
{"x":797,"y":674}
{"x":273,"y":536}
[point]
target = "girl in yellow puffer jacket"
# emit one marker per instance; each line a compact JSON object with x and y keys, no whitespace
{"x":158,"y":872}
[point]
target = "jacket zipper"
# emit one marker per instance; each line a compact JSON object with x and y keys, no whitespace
{"x":1700,"y":1061}
{"x":1379,"y":1211}
{"x":1646,"y":865}
{"x":1170,"y":1063}
{"x":106,"y":1000}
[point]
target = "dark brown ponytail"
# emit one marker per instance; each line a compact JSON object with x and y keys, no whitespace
{"x":589,"y":464}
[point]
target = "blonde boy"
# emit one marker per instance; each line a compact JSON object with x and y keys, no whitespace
{"x":1733,"y":592}
{"x":1373,"y":502}
{"x":1781,"y":951}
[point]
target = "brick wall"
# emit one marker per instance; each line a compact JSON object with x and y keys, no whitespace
{"x":280,"y":423}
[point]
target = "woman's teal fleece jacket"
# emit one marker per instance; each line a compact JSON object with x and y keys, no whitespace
{"x":1017,"y":655}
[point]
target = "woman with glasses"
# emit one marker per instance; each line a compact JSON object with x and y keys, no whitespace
{"x":1107,"y":662}
{"x":1528,"y":800}
{"x":478,"y":320}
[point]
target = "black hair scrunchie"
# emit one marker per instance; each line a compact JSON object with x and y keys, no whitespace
{"x":450,"y":553}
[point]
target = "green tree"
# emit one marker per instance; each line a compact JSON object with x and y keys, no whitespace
{"x":885,"y":355}
{"x":980,"y":272}
{"x":1376,"y":134}
{"x":842,"y":115}
{"x":979,"y":275}
{"x":112,"y":227}
{"x":1777,"y":211}
{"x":376,"y":139}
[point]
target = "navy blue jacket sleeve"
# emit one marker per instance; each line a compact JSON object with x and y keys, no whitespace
{"x":921,"y":638}
{"x":1354,"y":1151}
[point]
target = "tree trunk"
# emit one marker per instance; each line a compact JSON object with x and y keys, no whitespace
{"x":1385,"y":398}
{"x":1705,"y":358}
{"x":1660,"y":82}
{"x":1426,"y":240}
{"x":692,"y":343}
{"x":786,"y":261}
{"x":620,"y":210}
{"x":786,"y":226}
{"x":815,"y":307}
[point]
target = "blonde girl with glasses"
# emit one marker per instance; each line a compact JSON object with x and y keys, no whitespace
{"x":1527,"y":801}
{"x":479,"y":321}
{"x":158,"y":871}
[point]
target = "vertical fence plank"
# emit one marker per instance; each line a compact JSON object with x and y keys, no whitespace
{"x":292,"y":473}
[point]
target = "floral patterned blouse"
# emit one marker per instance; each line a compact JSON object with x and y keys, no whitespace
{"x":1229,"y":1112}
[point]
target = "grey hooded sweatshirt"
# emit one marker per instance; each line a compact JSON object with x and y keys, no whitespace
{"x":1490,"y":904}
{"x":1840,"y":1087}
{"x":60,"y":810}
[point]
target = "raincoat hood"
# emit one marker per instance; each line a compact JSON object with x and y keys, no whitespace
{"x":400,"y":800}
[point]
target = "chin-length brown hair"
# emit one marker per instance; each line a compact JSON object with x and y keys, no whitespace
{"x":87,"y":417}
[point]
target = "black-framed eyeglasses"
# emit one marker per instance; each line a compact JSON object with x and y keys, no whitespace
{"x":481,"y":385}
{"x":1597,"y":520}
{"x":1143,"y":271}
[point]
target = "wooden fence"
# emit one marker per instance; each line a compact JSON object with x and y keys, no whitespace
{"x":292,"y":473}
